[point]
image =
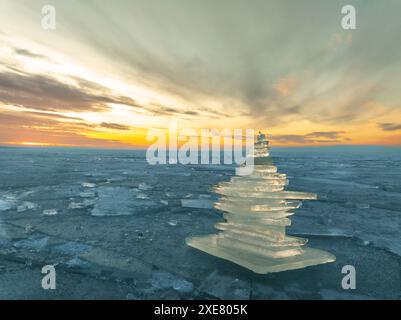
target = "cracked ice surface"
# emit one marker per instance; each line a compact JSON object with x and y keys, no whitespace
{"x":136,"y":243}
{"x":119,"y":201}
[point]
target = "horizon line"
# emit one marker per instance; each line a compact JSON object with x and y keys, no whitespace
{"x":17,"y":146}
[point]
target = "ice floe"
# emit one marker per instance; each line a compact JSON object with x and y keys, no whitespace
{"x":71,"y":248}
{"x":173,"y":223}
{"x":119,"y":201}
{"x":77,"y":263}
{"x":165,"y":280}
{"x":25,"y":206}
{"x":144,"y":186}
{"x":80,"y":205}
{"x":50,"y":212}
{"x":88,"y":185}
{"x":35,"y":244}
{"x":87,"y":194}
{"x":5,"y":205}
{"x":197,"y":203}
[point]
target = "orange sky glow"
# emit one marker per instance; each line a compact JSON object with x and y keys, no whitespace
{"x":99,"y":81}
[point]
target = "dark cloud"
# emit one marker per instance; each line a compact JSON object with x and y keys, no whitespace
{"x":17,"y":120}
{"x":289,"y":138}
{"x":17,"y":127}
{"x":46,"y":93}
{"x":30,"y":54}
{"x":22,"y":119}
{"x":115,"y":126}
{"x":158,"y":109}
{"x":191,"y":113}
{"x":313,"y":137}
{"x":329,"y":134}
{"x":389,"y":126}
{"x":51,"y":115}
{"x":55,"y":136}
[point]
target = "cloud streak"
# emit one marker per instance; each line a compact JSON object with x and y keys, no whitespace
{"x":114,"y":126}
{"x":313,"y":137}
{"x":47,"y":93}
{"x":390,"y":126}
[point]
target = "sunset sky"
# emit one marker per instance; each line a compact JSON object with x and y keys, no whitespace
{"x":114,"y":69}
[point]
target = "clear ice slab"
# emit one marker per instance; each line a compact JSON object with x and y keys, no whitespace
{"x":256,"y":208}
{"x":258,"y":263}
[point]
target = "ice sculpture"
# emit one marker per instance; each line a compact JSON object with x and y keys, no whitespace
{"x":256,"y":208}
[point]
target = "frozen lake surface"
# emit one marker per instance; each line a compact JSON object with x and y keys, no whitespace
{"x":115,"y":226}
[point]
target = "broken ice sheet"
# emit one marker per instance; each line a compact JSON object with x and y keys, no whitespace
{"x":5,"y":205}
{"x":87,"y":194}
{"x":144,"y":186}
{"x":77,"y":263}
{"x":119,"y":201}
{"x":226,"y":287}
{"x":379,"y":226}
{"x":165,"y":280}
{"x":170,"y":194}
{"x":7,"y":201}
{"x":71,"y":248}
{"x":25,"y":206}
{"x":35,"y":244}
{"x":182,"y":285}
{"x":142,"y":196}
{"x":80,"y":205}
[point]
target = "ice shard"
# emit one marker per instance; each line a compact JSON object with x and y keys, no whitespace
{"x":256,"y":209}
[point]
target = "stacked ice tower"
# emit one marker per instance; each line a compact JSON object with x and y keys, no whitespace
{"x":256,"y":209}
